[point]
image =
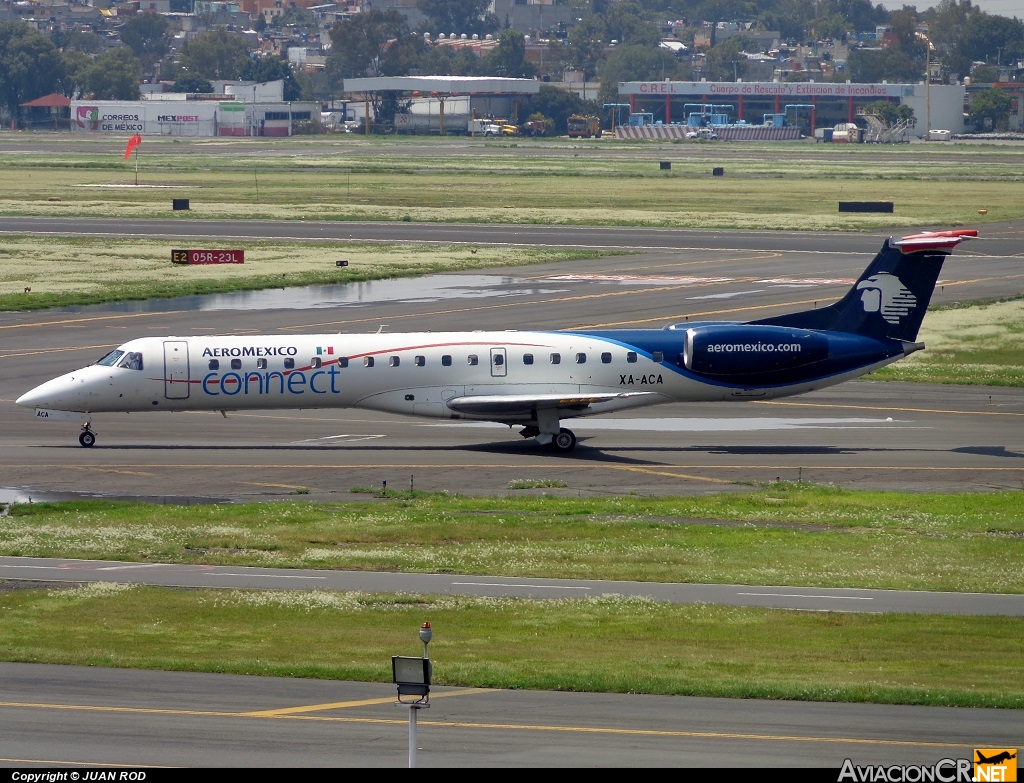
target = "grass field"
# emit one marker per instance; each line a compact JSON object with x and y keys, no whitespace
{"x":801,"y":534}
{"x":632,"y":646}
{"x":783,"y":534}
{"x":783,"y":186}
{"x":64,"y":271}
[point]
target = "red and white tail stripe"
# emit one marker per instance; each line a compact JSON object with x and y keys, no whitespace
{"x":934,"y":240}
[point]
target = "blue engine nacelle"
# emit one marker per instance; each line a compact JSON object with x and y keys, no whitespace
{"x":727,"y":350}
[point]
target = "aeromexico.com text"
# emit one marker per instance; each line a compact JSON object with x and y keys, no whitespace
{"x":754,"y":348}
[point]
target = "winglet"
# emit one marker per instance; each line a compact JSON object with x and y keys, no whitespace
{"x":931,"y":241}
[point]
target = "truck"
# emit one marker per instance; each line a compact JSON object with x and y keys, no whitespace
{"x":532,"y":128}
{"x":483,"y":128}
{"x":583,"y":126}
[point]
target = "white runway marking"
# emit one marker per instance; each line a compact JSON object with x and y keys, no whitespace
{"x":266,"y":576}
{"x":798,"y":595}
{"x":503,"y":584}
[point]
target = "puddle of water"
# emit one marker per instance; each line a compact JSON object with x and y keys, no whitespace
{"x":432,"y":288}
{"x":23,"y":495}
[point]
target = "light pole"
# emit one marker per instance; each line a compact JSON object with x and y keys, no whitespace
{"x":412,"y":676}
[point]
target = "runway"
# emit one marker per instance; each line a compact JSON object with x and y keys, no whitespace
{"x":863,"y":434}
{"x":123,"y":718}
{"x":816,"y":599}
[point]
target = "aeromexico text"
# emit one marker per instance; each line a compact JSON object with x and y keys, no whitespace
{"x":251,"y":350}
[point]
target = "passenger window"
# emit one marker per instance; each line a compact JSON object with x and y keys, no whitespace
{"x":261,"y":364}
{"x":658,"y":356}
{"x":581,"y":358}
{"x":556,"y":358}
{"x":606,"y":358}
{"x":472,"y":359}
{"x":446,"y":360}
{"x":367,"y":361}
{"x":394,"y":361}
{"x":343,"y":361}
{"x":315,"y":362}
{"x":527,"y":358}
{"x":236,"y":364}
{"x":419,"y":361}
{"x":498,"y":360}
{"x":289,"y":363}
{"x":214,"y":364}
{"x":631,"y":357}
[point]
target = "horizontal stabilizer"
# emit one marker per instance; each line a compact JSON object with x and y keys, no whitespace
{"x":934,"y":241}
{"x":511,"y":404}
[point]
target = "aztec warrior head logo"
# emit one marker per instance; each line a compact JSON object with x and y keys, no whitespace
{"x":87,"y":116}
{"x":885,"y":294}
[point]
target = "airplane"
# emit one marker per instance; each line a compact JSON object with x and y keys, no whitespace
{"x":532,"y":379}
{"x":996,"y":759}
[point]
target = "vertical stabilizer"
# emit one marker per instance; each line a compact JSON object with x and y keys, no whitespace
{"x":890,"y":298}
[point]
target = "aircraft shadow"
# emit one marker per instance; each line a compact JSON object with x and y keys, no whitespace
{"x":989,"y":451}
{"x":511,"y":448}
{"x":608,"y":454}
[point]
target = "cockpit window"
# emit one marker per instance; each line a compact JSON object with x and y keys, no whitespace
{"x":111,"y":358}
{"x":131,"y":361}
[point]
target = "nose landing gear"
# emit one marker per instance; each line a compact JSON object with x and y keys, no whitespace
{"x":87,"y":437}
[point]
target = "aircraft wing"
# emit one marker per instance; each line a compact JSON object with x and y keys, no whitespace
{"x":513,"y":404}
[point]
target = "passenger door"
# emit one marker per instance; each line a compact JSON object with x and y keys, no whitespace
{"x":176,"y":375}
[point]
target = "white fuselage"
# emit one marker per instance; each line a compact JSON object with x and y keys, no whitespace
{"x":412,"y":373}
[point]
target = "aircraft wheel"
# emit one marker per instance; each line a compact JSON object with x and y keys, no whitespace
{"x":87,"y":439}
{"x":565,"y":440}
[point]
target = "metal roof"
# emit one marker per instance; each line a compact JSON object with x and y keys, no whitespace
{"x":449,"y":85}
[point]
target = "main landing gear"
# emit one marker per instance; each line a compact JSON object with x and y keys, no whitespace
{"x":548,"y":432}
{"x":87,"y":437}
{"x":564,"y":440}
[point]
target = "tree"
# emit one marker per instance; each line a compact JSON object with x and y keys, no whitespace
{"x":557,"y":104}
{"x":992,"y":39}
{"x":458,"y":16}
{"x":449,"y":61}
{"x":147,"y":36}
{"x":885,"y":64}
{"x":192,"y":83}
{"x":215,"y":55}
{"x":635,"y":64}
{"x":78,"y":41}
{"x":508,"y":58}
{"x":726,"y":61}
{"x":625,"y":23}
{"x":586,"y":44}
{"x":990,"y":109}
{"x":74,"y":66}
{"x":364,"y":45}
{"x":890,"y":113}
{"x":985,"y":74}
{"x":113,"y":76}
{"x":30,"y":65}
{"x":373,"y":43}
{"x":270,"y":69}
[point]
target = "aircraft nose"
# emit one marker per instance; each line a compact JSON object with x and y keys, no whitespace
{"x":32,"y":399}
{"x":57,"y":394}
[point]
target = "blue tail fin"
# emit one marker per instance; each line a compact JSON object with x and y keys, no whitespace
{"x":892,"y":295}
